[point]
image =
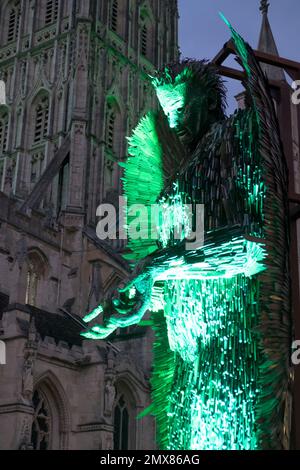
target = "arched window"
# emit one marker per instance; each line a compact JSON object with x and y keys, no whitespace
{"x":41,"y":119}
{"x":146,"y":28}
{"x":51,"y":14}
{"x":3,"y":131}
{"x":13,"y":24}
{"x":114,"y":15}
{"x":41,"y":426}
{"x":35,"y":272}
{"x":50,"y":423}
{"x":113,"y":125}
{"x":121,"y":425}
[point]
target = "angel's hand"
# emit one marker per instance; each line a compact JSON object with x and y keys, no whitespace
{"x":126,"y":308}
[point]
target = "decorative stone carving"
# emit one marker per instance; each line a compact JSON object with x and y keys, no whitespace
{"x":30,"y":353}
{"x":75,"y":39}
{"x":109,"y":396}
{"x":109,"y":442}
{"x":110,"y":359}
{"x":27,"y":378}
{"x":96,"y":291}
{"x":25,"y":438}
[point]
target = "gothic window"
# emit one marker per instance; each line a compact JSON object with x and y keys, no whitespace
{"x":41,"y":426}
{"x":34,"y":274}
{"x":146,"y":28}
{"x":121,"y":425}
{"x":13,"y":24}
{"x":51,"y":11}
{"x":41,"y":119}
{"x":144,"y":40}
{"x":114,"y":15}
{"x":31,"y":287}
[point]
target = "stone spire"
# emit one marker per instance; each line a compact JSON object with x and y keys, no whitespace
{"x":264,"y":7}
{"x":267,"y":43}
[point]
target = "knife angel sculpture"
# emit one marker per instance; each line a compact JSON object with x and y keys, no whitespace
{"x":220,"y":309}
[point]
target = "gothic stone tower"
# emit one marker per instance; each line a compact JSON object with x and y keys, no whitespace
{"x":73,"y":83}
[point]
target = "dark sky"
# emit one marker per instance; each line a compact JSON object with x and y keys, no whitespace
{"x":202,"y":32}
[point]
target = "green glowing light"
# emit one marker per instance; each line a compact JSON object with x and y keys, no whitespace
{"x":172,"y":101}
{"x":94,"y":314}
{"x":239,"y":43}
{"x":175,"y":220}
{"x":205,"y":303}
{"x":98,"y":332}
{"x":132,"y":293}
{"x":143,"y":178}
{"x":210,"y":326}
{"x":172,"y":94}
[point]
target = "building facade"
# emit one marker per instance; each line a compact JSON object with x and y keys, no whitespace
{"x":74,"y":80}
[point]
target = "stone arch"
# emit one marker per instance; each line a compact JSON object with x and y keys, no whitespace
{"x":114,"y":128}
{"x":10,"y":29}
{"x":127,"y":392}
{"x":114,"y":105}
{"x":146,"y":31}
{"x":46,"y":13}
{"x":40,"y":112}
{"x":114,"y":100}
{"x":52,"y":389}
{"x":37,"y":131}
{"x":117,"y":15}
{"x":125,"y":379}
{"x":37,"y":270}
{"x":40,"y":257}
{"x":146,"y":11}
{"x":38,"y":92}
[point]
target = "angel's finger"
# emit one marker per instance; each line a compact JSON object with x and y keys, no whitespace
{"x":98,"y":332}
{"x":94,"y":314}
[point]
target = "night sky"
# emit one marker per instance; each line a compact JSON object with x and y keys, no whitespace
{"x":202,"y":33}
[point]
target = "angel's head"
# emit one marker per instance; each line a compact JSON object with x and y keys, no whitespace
{"x":192,"y":95}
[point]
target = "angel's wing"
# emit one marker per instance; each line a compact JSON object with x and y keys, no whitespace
{"x":155,"y":152}
{"x":274,"y":323}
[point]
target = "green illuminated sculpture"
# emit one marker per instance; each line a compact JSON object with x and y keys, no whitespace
{"x":220,"y":311}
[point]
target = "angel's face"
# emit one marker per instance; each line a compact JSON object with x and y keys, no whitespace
{"x":172,"y":99}
{"x":192,"y":100}
{"x":184,"y":111}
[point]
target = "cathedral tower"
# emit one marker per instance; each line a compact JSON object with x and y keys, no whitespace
{"x":74,"y":80}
